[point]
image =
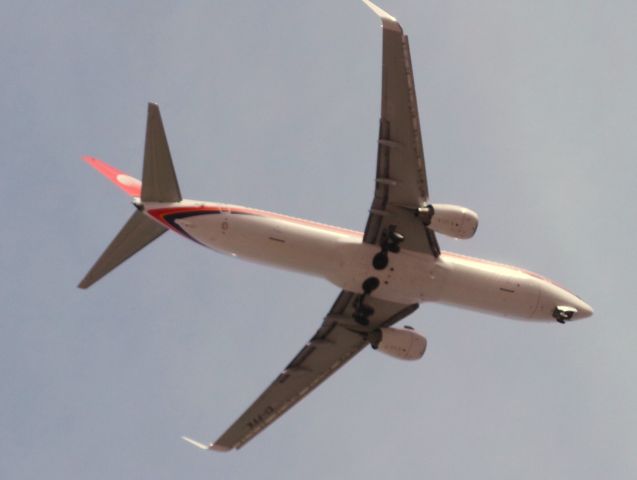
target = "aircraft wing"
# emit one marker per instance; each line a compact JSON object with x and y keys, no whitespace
{"x":338,"y":339}
{"x":401,"y":180}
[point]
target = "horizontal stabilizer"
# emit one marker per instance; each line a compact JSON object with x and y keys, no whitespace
{"x":159,"y":182}
{"x":129,"y":184}
{"x":138,"y":232}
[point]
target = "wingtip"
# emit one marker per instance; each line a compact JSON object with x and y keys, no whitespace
{"x":202,"y":446}
{"x":380,"y":12}
{"x":96,"y":163}
{"x":196,"y":443}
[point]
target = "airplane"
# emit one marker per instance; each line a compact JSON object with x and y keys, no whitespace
{"x":384,"y":273}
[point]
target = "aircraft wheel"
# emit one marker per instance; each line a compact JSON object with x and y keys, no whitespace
{"x":380,"y":261}
{"x":370,"y":285}
{"x":562,"y":314}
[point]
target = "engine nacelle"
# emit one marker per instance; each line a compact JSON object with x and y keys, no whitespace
{"x":451,"y":220}
{"x":402,"y":343}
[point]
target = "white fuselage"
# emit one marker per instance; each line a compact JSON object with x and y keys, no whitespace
{"x":340,"y":256}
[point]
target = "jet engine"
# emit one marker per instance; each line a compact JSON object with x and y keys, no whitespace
{"x":402,"y":343}
{"x":451,"y":220}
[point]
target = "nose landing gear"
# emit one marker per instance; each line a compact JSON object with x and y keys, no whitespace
{"x":563,"y":313}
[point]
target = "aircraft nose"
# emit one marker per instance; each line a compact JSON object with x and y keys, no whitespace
{"x":584,"y":310}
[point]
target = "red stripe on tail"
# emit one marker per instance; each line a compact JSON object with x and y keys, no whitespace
{"x":129,"y":184}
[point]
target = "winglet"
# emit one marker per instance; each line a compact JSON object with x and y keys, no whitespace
{"x":211,"y":446}
{"x":389,"y":22}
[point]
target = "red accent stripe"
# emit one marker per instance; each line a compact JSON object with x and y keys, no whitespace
{"x":160,"y":213}
{"x":129,"y":184}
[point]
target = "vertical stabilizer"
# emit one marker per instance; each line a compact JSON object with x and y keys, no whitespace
{"x":159,"y":182}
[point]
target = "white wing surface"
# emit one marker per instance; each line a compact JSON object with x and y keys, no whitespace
{"x":401,"y":180}
{"x":338,"y":339}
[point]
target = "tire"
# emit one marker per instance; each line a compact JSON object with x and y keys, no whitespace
{"x":370,"y":285}
{"x":380,"y":261}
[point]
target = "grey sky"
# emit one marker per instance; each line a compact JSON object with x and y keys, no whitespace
{"x":528,"y":112}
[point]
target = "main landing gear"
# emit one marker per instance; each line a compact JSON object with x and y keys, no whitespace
{"x":390,"y":243}
{"x":363,"y":312}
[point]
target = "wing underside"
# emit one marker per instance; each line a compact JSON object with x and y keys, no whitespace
{"x":338,"y":339}
{"x":401,"y":180}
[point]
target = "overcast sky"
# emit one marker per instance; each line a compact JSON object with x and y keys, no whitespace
{"x":528,"y":111}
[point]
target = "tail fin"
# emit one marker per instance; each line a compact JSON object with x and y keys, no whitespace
{"x":159,"y":185}
{"x":159,"y":182}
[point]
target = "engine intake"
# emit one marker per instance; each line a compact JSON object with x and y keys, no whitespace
{"x":402,"y":343}
{"x":451,"y":220}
